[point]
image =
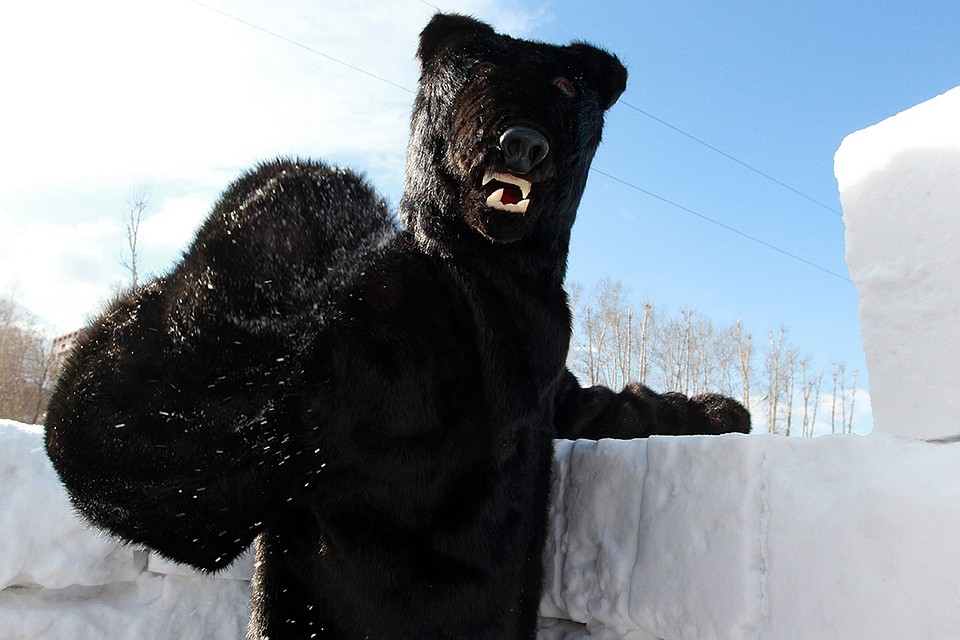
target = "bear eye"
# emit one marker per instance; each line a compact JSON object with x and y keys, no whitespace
{"x":566,"y":87}
{"x":483,"y":68}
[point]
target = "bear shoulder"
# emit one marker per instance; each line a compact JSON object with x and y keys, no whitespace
{"x":283,"y":239}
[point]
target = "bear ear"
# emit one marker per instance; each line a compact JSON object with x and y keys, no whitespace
{"x":607,"y":72}
{"x":445,"y":26}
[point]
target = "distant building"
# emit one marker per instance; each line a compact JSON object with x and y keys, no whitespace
{"x":60,"y":351}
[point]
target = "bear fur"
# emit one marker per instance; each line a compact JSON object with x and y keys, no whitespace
{"x":374,"y":406}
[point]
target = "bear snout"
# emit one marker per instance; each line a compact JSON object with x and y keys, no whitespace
{"x":523,"y":149}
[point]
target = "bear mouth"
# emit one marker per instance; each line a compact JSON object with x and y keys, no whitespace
{"x":506,"y":192}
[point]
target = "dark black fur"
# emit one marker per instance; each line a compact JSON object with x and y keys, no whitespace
{"x":376,"y":407}
{"x":639,"y":412}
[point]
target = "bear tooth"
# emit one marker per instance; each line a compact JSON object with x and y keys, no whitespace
{"x":507,"y":178}
{"x":493,"y":201}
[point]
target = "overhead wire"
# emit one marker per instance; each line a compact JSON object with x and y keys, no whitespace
{"x":731,"y":158}
{"x":626,"y":183}
{"x":722,"y":225}
{"x":301,"y":45}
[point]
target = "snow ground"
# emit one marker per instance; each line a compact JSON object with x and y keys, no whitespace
{"x":62,"y":580}
{"x":698,"y":538}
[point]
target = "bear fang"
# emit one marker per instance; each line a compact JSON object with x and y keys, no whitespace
{"x":502,"y":188}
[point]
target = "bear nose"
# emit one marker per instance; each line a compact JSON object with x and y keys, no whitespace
{"x":523,"y":148}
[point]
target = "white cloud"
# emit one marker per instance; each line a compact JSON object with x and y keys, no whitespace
{"x":181,"y":97}
{"x":112,"y":88}
{"x":61,"y":272}
{"x":173,"y":226}
{"x":118,"y":88}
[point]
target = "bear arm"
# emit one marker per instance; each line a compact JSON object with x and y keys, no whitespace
{"x":639,"y":412}
{"x":174,"y":448}
{"x":174,"y":423}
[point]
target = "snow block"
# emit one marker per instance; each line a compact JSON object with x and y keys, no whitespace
{"x":44,"y":544}
{"x":60,"y":578}
{"x":899,"y":185}
{"x":694,"y":538}
{"x":755,"y":537}
{"x":657,"y":535}
{"x":152,"y":607}
{"x":862,"y":539}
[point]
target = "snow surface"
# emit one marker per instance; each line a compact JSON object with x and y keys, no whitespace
{"x":715,"y":538}
{"x":698,"y":538}
{"x":62,"y":580}
{"x":900,"y":187}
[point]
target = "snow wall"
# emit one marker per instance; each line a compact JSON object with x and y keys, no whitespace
{"x":900,"y":188}
{"x":697,"y":538}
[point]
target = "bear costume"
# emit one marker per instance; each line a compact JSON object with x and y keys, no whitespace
{"x":375,"y":407}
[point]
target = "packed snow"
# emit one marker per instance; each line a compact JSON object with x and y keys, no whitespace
{"x":698,"y":538}
{"x":61,"y":580}
{"x":900,"y":188}
{"x":695,"y":538}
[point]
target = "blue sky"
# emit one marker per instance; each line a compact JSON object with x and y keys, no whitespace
{"x":106,"y":96}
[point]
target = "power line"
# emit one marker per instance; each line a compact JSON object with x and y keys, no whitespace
{"x":732,"y":158}
{"x":302,"y":46}
{"x":603,"y":173}
{"x":723,"y":225}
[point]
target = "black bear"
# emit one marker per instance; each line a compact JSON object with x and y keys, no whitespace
{"x":375,"y":406}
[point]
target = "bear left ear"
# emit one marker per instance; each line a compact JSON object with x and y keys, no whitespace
{"x":608,"y":73}
{"x":445,"y":26}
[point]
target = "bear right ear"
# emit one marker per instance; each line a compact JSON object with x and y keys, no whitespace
{"x":609,"y":74}
{"x":445,"y":26}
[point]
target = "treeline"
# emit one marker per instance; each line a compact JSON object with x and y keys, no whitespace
{"x":25,"y":364}
{"x":616,"y":342}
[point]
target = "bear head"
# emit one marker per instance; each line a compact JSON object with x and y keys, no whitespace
{"x":502,"y":135}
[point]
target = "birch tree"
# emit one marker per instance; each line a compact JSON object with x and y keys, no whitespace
{"x":744,"y":352}
{"x":774,"y":371}
{"x":130,"y":256}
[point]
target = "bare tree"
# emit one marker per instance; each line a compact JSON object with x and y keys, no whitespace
{"x":816,"y":403}
{"x":613,"y":344}
{"x":24,"y":363}
{"x":842,"y":373}
{"x":604,"y":345}
{"x":724,"y":365}
{"x":774,"y":374}
{"x":833,"y":400}
{"x":744,"y":349}
{"x":136,"y":206}
{"x":672,"y":352}
{"x":811,"y":398}
{"x":618,"y":320}
{"x":789,"y":385}
{"x":840,"y":397}
{"x":594,"y":348}
{"x":641,"y":346}
{"x":853,"y":397}
{"x":39,"y":364}
{"x":692,"y":356}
